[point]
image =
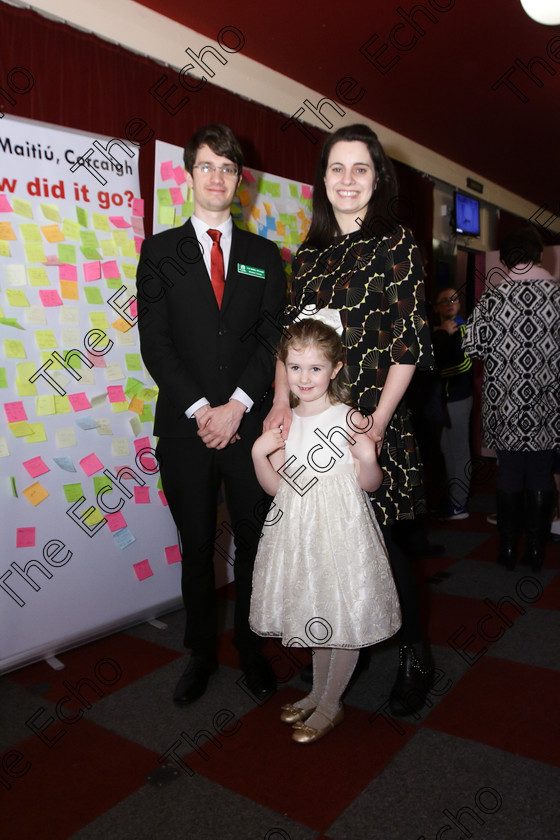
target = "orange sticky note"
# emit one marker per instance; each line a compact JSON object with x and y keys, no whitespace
{"x":136,"y":405}
{"x":52,"y":233}
{"x":35,"y":493}
{"x":121,"y":325}
{"x":69,"y":290}
{"x":6,"y":231}
{"x":255,"y":213}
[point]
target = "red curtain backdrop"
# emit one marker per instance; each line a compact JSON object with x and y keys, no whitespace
{"x":83,"y":82}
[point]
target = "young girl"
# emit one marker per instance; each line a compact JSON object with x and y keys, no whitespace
{"x":322,"y":577}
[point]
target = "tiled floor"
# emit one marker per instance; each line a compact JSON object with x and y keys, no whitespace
{"x":83,"y":748}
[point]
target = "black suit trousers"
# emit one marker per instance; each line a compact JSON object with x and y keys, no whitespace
{"x":191,"y":475}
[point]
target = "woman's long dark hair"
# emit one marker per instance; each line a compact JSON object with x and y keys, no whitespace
{"x":378,"y":220}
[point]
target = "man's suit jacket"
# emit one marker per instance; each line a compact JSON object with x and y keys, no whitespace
{"x":194,"y":349}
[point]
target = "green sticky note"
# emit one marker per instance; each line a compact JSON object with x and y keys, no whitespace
{"x":66,"y":253}
{"x":38,"y":276}
{"x":132,"y":387}
{"x":166,"y":215}
{"x":3,"y":379}
{"x":16,"y":297}
{"x":50,"y":211}
{"x":101,"y":482}
{"x":146,"y":415}
{"x":30,"y":232}
{"x":100,"y":222}
{"x":293,"y":191}
{"x":82,"y":216}
{"x":272,"y":187}
{"x":129,"y":270}
{"x":73,"y":492}
{"x":90,"y":253}
{"x":133,"y":361}
{"x":187,"y":208}
{"x":11,"y":322}
{"x":114,"y":282}
{"x":93,"y":295}
{"x":35,"y":253}
{"x":164,"y":198}
{"x":88,"y":239}
{"x":13,"y":483}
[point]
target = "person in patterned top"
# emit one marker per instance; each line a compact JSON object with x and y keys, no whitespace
{"x":358,"y":261}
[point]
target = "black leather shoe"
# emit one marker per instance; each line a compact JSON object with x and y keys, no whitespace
{"x":194,"y":680}
{"x":261,"y":679}
{"x":414,"y":680}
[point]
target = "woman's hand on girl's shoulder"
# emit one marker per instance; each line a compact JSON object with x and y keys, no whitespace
{"x":269,"y":442}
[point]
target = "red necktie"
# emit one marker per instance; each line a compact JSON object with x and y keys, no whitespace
{"x":217,"y":274}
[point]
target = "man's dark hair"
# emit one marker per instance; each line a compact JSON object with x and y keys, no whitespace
{"x":524,"y":247}
{"x":222,"y":141}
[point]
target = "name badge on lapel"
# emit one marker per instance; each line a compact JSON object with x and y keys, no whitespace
{"x":250,"y":269}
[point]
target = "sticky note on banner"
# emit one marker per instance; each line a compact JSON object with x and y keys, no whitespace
{"x":50,"y":212}
{"x":176,"y":195}
{"x":36,"y":467}
{"x":91,"y":464}
{"x":65,"y":463}
{"x":69,"y":290}
{"x":25,"y":537}
{"x":4,"y":450}
{"x":164,"y":198}
{"x":138,"y":206}
{"x":166,"y":170}
{"x":15,"y":275}
{"x":3,"y":378}
{"x":30,"y":232}
{"x":142,"y":495}
{"x":172,"y":554}
{"x":38,"y":276}
{"x":109,"y":248}
{"x":15,"y":412}
{"x":102,"y":483}
{"x":7,"y":232}
{"x":35,"y":493}
{"x":65,"y":437}
{"x":82,"y":216}
{"x":79,"y":402}
{"x":115,"y":521}
{"x":67,"y":272}
{"x":5,"y":249}
{"x":52,"y":233}
{"x":111,"y":269}
{"x":93,"y":294}
{"x":37,"y":433}
{"x":50,"y":297}
{"x":100,"y":221}
{"x":123,"y":538}
{"x":73,"y":492}
{"x":5,"y":206}
{"x":45,"y":405}
{"x":92,"y":271}
{"x":71,"y":230}
{"x":16,"y":297}
{"x":166,"y":215}
{"x":142,"y":570}
{"x":119,"y":222}
{"x":66,"y":253}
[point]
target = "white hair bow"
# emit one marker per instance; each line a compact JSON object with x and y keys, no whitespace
{"x":330,"y":317}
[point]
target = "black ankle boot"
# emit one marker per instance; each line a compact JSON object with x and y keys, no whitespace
{"x":538,"y":508}
{"x":414,"y":680}
{"x":509,"y":508}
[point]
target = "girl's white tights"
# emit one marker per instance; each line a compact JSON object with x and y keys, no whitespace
{"x":332,"y":669}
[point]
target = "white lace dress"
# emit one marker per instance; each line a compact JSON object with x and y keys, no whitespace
{"x":322,"y":575}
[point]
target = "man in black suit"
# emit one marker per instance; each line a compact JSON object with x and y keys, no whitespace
{"x":207,"y":346}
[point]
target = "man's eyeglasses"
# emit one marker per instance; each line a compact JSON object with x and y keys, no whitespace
{"x":447,"y":300}
{"x":207,"y":168}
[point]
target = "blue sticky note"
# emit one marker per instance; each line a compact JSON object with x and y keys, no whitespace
{"x":65,"y":463}
{"x":123,"y":538}
{"x":86,"y":422}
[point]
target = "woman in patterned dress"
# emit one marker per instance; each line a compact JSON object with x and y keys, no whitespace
{"x":357,"y":260}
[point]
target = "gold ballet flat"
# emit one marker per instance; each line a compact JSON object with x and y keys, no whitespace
{"x":304,"y":734}
{"x":293,"y":714}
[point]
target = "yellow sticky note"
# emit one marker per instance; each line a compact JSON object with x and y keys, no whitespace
{"x":65,"y":437}
{"x":7,"y":231}
{"x":99,"y":320}
{"x":119,"y":407}
{"x":35,"y":493}
{"x":4,"y":249}
{"x":62,"y":404}
{"x":52,"y":233}
{"x":38,"y":433}
{"x":120,"y":237}
{"x":45,"y":405}
{"x":25,"y":388}
{"x":113,"y":372}
{"x":38,"y":276}
{"x":129,"y":270}
{"x":100,"y":222}
{"x":22,"y":207}
{"x":35,"y":253}
{"x":47,"y":356}
{"x":16,"y":297}
{"x":121,"y":324}
{"x":136,"y":405}
{"x":109,"y":248}
{"x":128,"y":249}
{"x":71,"y":230}
{"x":20,"y":429}
{"x":30,"y":232}
{"x":14,"y":349}
{"x":45,"y":339}
{"x":4,"y":451}
{"x":94,"y":517}
{"x":50,"y":212}
{"x":69,"y":290}
{"x":166,"y":215}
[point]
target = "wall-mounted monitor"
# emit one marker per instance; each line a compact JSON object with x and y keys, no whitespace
{"x":467,"y":215}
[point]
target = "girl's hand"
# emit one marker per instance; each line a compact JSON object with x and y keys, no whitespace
{"x":376,"y":431}
{"x":269,"y":442}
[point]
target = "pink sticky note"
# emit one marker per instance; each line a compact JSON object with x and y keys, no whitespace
{"x":179,"y":175}
{"x":111,"y":270}
{"x":5,"y":206}
{"x":138,"y":243}
{"x":25,"y":537}
{"x":115,"y":393}
{"x":119,"y":221}
{"x":67,"y":272}
{"x":143,"y":570}
{"x":79,"y":402}
{"x":286,"y":254}
{"x":172,"y":554}
{"x":247,"y":176}
{"x":137,"y":225}
{"x":166,"y":170}
{"x":176,"y":195}
{"x":133,"y":309}
{"x":306,"y":191}
{"x":142,"y":443}
{"x":52,"y":260}
{"x":97,"y":361}
{"x":161,"y":494}
{"x":115,"y":521}
{"x":138,"y":207}
{"x":36,"y":466}
{"x":92,"y":271}
{"x":15,"y":412}
{"x":91,"y":464}
{"x":142,"y":495}
{"x":50,"y":297}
